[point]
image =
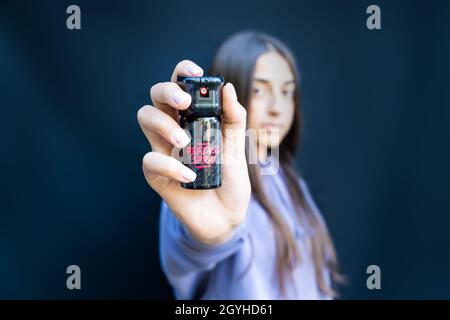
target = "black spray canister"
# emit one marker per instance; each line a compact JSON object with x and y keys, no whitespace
{"x":203,"y":123}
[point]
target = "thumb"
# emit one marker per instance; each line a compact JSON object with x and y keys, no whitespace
{"x":235,"y":190}
{"x":234,"y":118}
{"x":234,"y":115}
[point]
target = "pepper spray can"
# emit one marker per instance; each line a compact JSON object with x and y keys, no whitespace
{"x":202,"y":120}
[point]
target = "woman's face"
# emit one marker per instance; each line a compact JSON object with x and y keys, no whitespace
{"x":271,"y":108}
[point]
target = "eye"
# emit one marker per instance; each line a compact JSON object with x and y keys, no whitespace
{"x":259,"y":91}
{"x":288,"y":92}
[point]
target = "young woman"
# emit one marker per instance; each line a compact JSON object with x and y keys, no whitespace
{"x":258,"y":236}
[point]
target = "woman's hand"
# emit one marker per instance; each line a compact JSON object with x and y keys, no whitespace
{"x":209,"y":215}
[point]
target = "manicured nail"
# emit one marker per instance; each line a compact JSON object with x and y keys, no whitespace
{"x":179,"y":97}
{"x":193,"y":69}
{"x":180,"y":137}
{"x":188,"y":175}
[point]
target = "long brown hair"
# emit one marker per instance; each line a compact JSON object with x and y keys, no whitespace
{"x":236,"y":60}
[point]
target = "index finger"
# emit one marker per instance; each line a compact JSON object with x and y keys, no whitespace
{"x":186,"y":68}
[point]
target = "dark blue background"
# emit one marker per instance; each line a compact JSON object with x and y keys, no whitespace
{"x":375,"y":151}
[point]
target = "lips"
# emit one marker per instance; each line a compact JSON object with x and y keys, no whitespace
{"x":270,"y":126}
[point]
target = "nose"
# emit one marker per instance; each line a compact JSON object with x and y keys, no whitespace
{"x":275,"y":105}
{"x":273,"y":112}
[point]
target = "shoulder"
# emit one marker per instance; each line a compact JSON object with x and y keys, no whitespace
{"x":305,"y":189}
{"x":310,"y":199}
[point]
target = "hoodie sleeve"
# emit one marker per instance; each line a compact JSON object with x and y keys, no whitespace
{"x":187,"y":261}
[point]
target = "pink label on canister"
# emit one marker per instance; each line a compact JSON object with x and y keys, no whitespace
{"x":203,"y":154}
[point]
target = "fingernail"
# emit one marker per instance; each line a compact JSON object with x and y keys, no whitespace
{"x":232,"y":90}
{"x":180,"y":137}
{"x":193,"y":69}
{"x":179,"y":97}
{"x":188,"y":175}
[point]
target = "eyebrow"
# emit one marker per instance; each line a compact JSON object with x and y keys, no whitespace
{"x":267,"y":81}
